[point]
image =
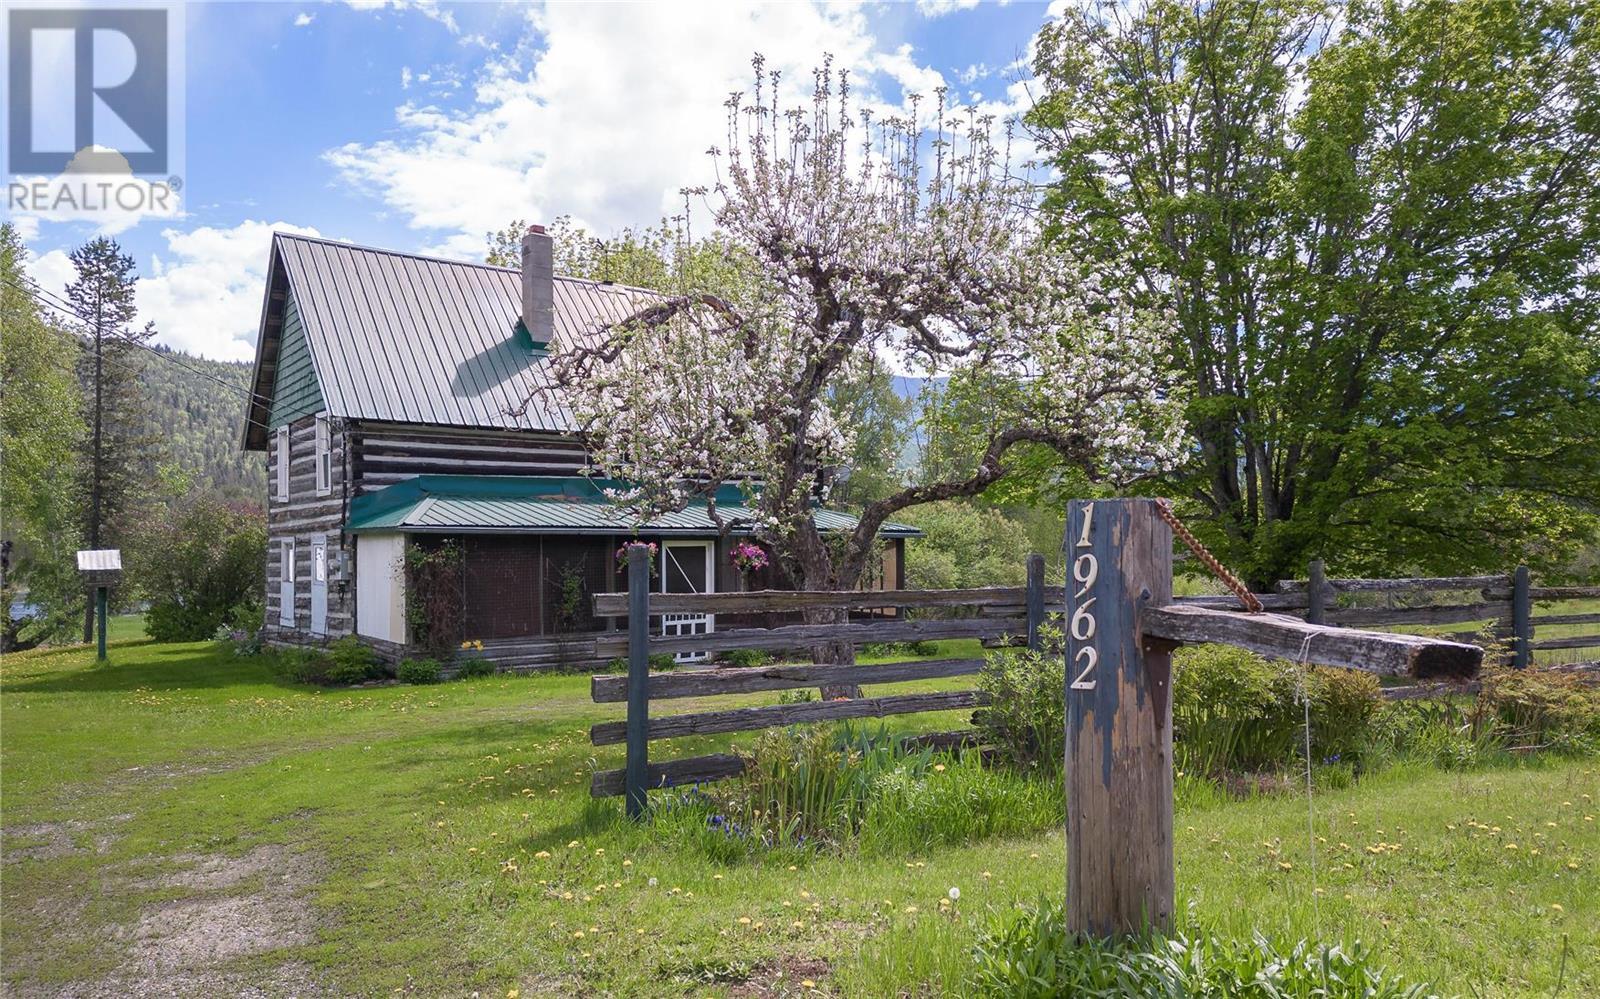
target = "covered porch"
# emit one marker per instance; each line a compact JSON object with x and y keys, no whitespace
{"x":532,"y":551}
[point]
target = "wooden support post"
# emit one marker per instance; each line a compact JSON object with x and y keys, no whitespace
{"x":1119,"y":720}
{"x":638,"y":766}
{"x":100,"y":608}
{"x":1035,"y":599}
{"x":1521,"y":618}
{"x":1317,"y":593}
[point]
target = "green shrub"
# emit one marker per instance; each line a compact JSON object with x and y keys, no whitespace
{"x":200,"y":565}
{"x":1028,"y":952}
{"x":304,"y":666}
{"x":350,"y":661}
{"x":617,"y":665}
{"x":467,"y":666}
{"x":1025,"y":720}
{"x":1234,"y":710}
{"x":800,"y":695}
{"x":418,"y":671}
{"x":662,"y":662}
{"x":747,"y":657}
{"x":1540,"y":707}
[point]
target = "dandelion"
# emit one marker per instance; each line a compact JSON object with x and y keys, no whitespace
{"x":512,"y":994}
{"x":652,"y":882}
{"x":542,"y":855}
{"x":1284,"y":865}
{"x":938,"y":768}
{"x":744,"y":920}
{"x":955,"y":894}
{"x":807,"y":983}
{"x":911,"y":909}
{"x":572,"y":845}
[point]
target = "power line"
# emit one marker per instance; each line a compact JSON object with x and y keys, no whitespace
{"x":64,"y":311}
{"x":55,"y":302}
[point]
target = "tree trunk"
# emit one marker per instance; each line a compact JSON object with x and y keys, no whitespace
{"x":840,"y":653}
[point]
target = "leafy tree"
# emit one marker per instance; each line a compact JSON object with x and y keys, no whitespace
{"x":117,"y":457}
{"x":200,"y":567}
{"x":928,"y":258}
{"x":1379,"y":242}
{"x":964,"y":544}
{"x":39,"y":421}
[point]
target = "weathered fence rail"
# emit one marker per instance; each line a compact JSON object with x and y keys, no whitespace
{"x":1506,"y":601}
{"x":1303,"y":619}
{"x":989,"y":614}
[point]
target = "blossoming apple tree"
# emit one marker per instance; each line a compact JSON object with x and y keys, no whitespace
{"x":864,"y":245}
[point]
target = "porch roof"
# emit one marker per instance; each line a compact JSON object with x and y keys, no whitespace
{"x":450,"y":504}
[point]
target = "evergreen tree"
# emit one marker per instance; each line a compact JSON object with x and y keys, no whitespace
{"x":117,"y":457}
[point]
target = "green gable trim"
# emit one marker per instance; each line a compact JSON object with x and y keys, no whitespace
{"x":547,"y":505}
{"x":295,"y":390}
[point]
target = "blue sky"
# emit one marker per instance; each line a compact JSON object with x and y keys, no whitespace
{"x":419,"y":125}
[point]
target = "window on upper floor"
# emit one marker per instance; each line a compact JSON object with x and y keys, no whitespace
{"x":281,"y":463}
{"x":324,"y":457}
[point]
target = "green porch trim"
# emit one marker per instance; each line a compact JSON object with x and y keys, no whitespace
{"x":452,"y":504}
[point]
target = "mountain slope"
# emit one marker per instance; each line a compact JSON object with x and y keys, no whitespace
{"x":198,"y":408}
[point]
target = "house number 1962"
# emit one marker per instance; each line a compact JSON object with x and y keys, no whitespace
{"x":1085,"y":570}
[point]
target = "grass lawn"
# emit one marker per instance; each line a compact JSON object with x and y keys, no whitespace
{"x":178,"y":822}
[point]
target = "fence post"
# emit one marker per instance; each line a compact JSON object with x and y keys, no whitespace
{"x":1119,"y":719}
{"x":1035,"y":599}
{"x":1316,"y":593}
{"x":1521,"y":619}
{"x":635,"y":779}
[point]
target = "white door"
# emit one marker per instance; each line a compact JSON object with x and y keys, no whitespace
{"x":286,"y":582}
{"x":319,"y":585}
{"x":688,"y":567}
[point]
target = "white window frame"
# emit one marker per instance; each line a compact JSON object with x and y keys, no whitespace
{"x":282,"y":459}
{"x":324,"y":455}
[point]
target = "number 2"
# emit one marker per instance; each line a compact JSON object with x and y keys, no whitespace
{"x":1084,"y":681}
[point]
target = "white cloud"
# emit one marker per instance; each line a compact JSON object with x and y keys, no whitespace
{"x":939,"y":8}
{"x":428,"y":8}
{"x":203,"y":292}
{"x":604,"y":117}
{"x":302,"y":19}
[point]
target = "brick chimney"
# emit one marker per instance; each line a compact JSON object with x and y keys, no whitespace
{"x":538,"y":284}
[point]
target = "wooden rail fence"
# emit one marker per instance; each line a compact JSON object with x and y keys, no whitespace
{"x":991,"y":614}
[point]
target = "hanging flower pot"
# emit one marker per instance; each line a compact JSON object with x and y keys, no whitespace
{"x":748,"y":557}
{"x":622,"y":553}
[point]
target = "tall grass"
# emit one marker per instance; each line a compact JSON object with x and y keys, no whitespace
{"x":832,"y":787}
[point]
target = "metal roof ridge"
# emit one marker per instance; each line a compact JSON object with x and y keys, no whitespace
{"x":369,"y":248}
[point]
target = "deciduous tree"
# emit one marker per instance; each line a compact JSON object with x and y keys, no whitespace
{"x":1379,"y":241}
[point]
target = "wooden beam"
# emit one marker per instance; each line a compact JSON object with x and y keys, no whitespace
{"x":1432,"y":614}
{"x":757,"y":601}
{"x":779,"y":715}
{"x":1540,"y":622}
{"x":690,"y":770}
{"x":1575,"y":642}
{"x":713,"y":682}
{"x":1390,"y":585}
{"x":802,"y":635}
{"x":1282,"y":637}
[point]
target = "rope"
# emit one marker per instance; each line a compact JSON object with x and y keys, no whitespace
{"x":1210,"y":561}
{"x":1311,"y":812}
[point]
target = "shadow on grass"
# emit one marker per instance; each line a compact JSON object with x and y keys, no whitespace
{"x":175,"y":667}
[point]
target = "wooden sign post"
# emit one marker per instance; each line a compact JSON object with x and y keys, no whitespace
{"x":1121,"y":627}
{"x":1119,"y":719}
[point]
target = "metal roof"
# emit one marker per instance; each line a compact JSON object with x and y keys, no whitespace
{"x":411,"y":339}
{"x":545,"y":505}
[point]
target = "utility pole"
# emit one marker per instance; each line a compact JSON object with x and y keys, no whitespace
{"x":96,"y":473}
